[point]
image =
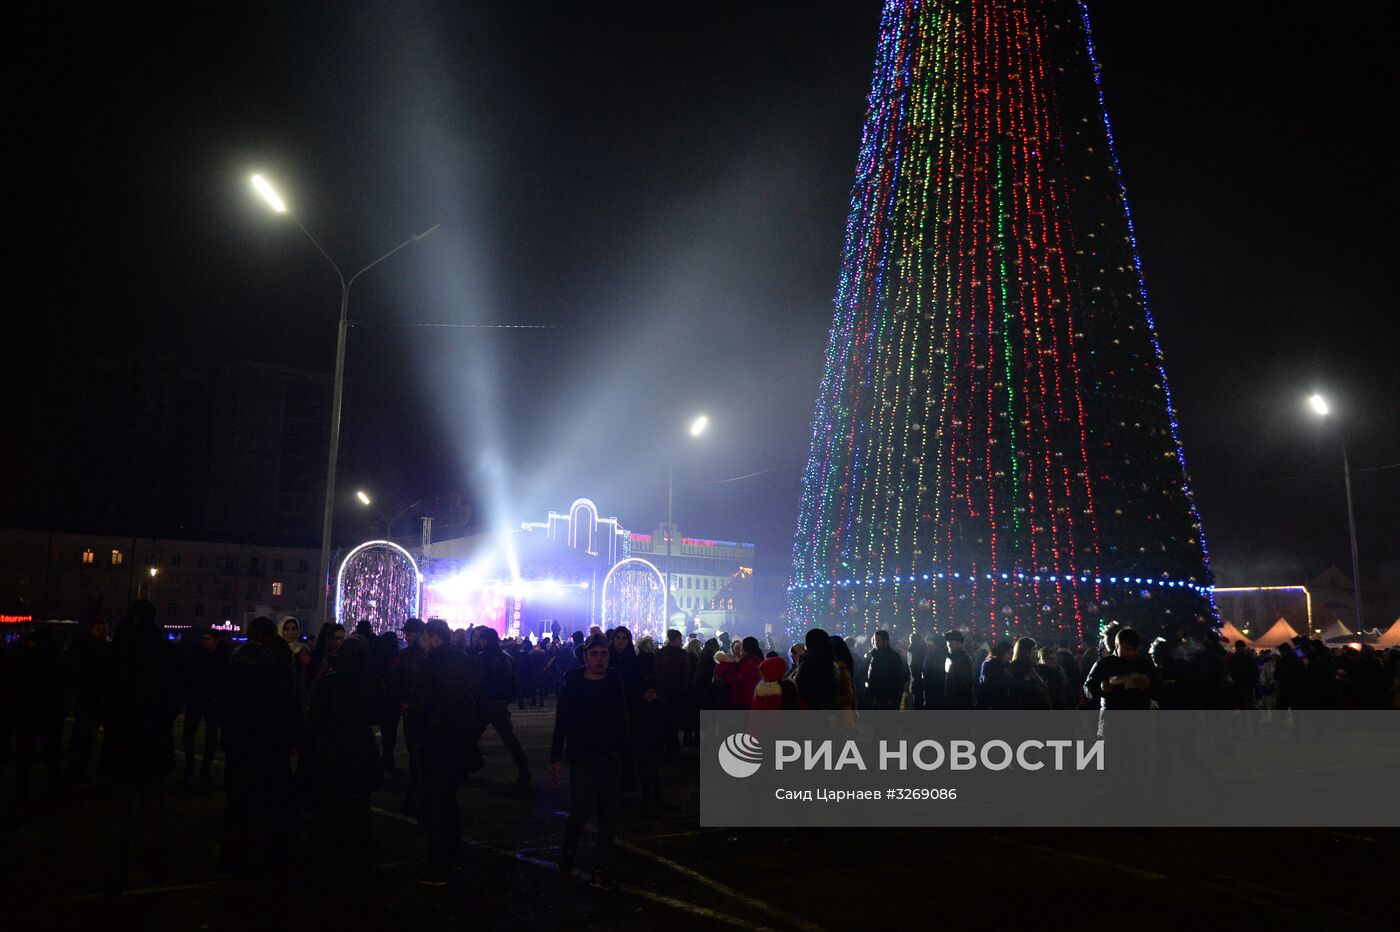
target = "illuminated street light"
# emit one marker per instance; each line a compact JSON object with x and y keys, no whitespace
{"x":154,"y":571}
{"x":269,"y":195}
{"x":697,"y":427}
{"x":1322,"y":409}
{"x":264,"y":189}
{"x":364,"y":499}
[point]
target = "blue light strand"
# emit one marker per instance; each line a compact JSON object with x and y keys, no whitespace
{"x":1084,"y":579}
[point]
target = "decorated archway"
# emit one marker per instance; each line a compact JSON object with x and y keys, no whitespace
{"x":378,"y":581}
{"x":634,"y":595}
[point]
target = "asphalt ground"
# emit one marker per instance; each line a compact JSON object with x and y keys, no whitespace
{"x":674,"y":875}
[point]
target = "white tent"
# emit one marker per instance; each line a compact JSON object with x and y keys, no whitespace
{"x":1281,"y":631}
{"x":1338,"y":633}
{"x":1230,"y":634}
{"x":1391,"y":638}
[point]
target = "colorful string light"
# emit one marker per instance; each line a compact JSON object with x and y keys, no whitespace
{"x":993,"y":396}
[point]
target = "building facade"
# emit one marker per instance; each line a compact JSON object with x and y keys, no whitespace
{"x":49,"y":575}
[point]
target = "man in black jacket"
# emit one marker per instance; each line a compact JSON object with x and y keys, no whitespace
{"x":499,"y":684}
{"x":884,"y":684}
{"x":206,"y":665}
{"x":590,"y":731}
{"x":960,"y":687}
{"x":1124,"y":679}
{"x":935,"y":671}
{"x":441,"y":720}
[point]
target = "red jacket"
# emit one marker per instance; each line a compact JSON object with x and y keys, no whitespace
{"x":741,"y":677}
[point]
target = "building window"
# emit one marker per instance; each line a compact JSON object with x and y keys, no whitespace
{"x":254,"y":588}
{"x":199,"y":609}
{"x":174,"y":559}
{"x":118,"y":558}
{"x":277,"y":586}
{"x":88,"y":557}
{"x":301,"y":566}
{"x":225,"y":612}
{"x":301,"y":585}
{"x":172,"y":609}
{"x":277,"y":564}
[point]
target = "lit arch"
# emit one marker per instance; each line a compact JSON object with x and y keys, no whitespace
{"x":661,"y":586}
{"x":582,"y":504}
{"x":415,"y":593}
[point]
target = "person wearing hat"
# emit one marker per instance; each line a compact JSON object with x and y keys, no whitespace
{"x":960,"y":686}
{"x":590,"y":733}
{"x":775,"y":692}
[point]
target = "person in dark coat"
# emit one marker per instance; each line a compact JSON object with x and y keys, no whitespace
{"x":591,"y":734}
{"x":1028,"y":689}
{"x":261,"y":713}
{"x":391,"y":712}
{"x":1073,"y":678}
{"x":704,"y":677}
{"x":960,"y":686}
{"x":328,"y":641}
{"x":918,"y":650}
{"x":345,"y":706}
{"x":886,"y":675}
{"x":1125,"y":679}
{"x":205,"y":666}
{"x":138,"y":743}
{"x":91,"y":662}
{"x":648,"y":737}
{"x":935,"y":669}
{"x":41,"y":700}
{"x":994,"y":680}
{"x":1289,"y":675}
{"x":498,"y":675}
{"x":441,"y":721}
{"x":1244,"y":675}
{"x":1056,"y":683}
{"x":817,"y":676}
{"x":402,"y":688}
{"x":672,"y":685}
{"x":1212,"y":676}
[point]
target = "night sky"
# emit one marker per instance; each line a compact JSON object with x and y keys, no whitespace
{"x":666,"y":186}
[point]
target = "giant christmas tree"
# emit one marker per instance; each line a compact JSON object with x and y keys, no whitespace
{"x":994,"y":445}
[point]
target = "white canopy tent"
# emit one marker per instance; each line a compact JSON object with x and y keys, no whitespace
{"x":1230,"y":634}
{"x":1281,"y":631}
{"x":1391,"y":638}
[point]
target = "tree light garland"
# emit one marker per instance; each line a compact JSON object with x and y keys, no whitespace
{"x":993,"y":396}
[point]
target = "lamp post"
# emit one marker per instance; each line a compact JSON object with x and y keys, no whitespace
{"x":365,"y":500}
{"x":1322,"y":409}
{"x":697,"y":427}
{"x":269,"y":194}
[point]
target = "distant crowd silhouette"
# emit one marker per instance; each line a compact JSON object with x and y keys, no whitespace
{"x":304,"y":728}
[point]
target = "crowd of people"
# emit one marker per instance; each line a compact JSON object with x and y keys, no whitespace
{"x":308,"y":725}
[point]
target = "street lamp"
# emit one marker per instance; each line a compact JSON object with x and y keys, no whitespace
{"x":365,"y":500}
{"x":697,"y":427}
{"x":1321,"y":408}
{"x":265,"y":190}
